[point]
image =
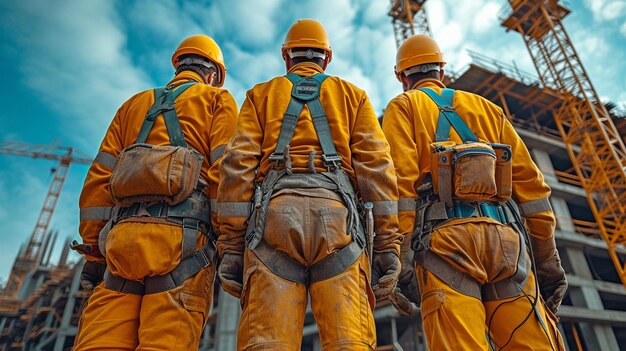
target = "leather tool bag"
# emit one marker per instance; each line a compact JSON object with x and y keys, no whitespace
{"x":147,"y":173}
{"x":473,"y":171}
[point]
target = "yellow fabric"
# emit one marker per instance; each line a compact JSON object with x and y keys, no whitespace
{"x":356,"y":134}
{"x":308,"y":229}
{"x":409,"y":123}
{"x":170,"y":320}
{"x":207,"y":116}
{"x":453,"y":321}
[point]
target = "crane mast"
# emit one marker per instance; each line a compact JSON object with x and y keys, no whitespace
{"x":408,"y":17}
{"x":29,"y":258}
{"x":593,"y":143}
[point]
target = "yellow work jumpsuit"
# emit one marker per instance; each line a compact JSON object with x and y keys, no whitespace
{"x":481,"y":247}
{"x":170,"y":320}
{"x":306,"y":224}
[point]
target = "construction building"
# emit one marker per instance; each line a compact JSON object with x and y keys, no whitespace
{"x":573,"y":138}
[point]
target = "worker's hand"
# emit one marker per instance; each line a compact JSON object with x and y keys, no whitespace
{"x":92,"y":275}
{"x":406,"y":296}
{"x":552,"y":281}
{"x":230,"y":273}
{"x":385,"y":271}
{"x":402,"y":304}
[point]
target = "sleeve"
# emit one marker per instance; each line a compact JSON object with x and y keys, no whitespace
{"x":400,"y":132}
{"x":95,"y":203}
{"x":376,"y":178}
{"x":530,"y":191}
{"x":223,"y":124}
{"x":237,"y":172}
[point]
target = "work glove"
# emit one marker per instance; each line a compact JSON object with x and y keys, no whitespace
{"x":406,"y":296}
{"x":385,"y":271}
{"x":92,"y":275}
{"x":550,"y":273}
{"x":230,"y":273}
{"x":552,"y":281}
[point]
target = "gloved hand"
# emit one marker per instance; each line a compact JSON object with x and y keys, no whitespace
{"x":552,"y":281}
{"x":550,"y":273}
{"x":385,"y":271}
{"x":92,"y":275}
{"x":230,"y":273}
{"x":406,"y":296}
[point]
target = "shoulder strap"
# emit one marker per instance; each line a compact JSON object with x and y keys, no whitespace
{"x":306,"y":91}
{"x":448,"y":117}
{"x":164,"y":104}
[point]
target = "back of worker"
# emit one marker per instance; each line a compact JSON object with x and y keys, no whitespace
{"x":304,"y":224}
{"x":144,"y":244}
{"x":467,"y":265}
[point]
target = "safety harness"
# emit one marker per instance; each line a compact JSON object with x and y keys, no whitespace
{"x":432,"y":211}
{"x":305,"y":92}
{"x":193,"y":214}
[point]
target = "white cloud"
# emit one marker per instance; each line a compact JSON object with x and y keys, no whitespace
{"x":606,"y":10}
{"x":73,"y":55}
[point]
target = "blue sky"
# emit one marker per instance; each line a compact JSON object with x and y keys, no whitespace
{"x":67,"y":65}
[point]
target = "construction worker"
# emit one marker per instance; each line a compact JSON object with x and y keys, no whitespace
{"x":309,"y":152}
{"x":462,"y":174}
{"x":146,"y":214}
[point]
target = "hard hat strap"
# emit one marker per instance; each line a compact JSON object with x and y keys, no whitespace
{"x":422,"y":68}
{"x":309,"y":53}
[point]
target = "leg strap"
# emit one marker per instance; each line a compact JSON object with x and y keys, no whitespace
{"x":457,"y":280}
{"x":152,"y":285}
{"x":286,"y":267}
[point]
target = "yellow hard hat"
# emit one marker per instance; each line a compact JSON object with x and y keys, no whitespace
{"x":307,"y":33}
{"x":204,"y":46}
{"x":418,"y":50}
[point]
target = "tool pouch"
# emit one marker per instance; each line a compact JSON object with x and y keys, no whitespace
{"x":474,"y":171}
{"x":145,"y":173}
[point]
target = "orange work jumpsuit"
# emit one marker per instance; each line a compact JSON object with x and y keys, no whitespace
{"x":481,"y":247}
{"x":169,"y":320}
{"x":306,"y":224}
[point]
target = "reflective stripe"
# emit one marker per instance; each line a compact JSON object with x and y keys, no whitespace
{"x":535,"y":206}
{"x":385,"y":208}
{"x":233,"y":209}
{"x":406,"y":204}
{"x":95,"y":213}
{"x":213,"y":204}
{"x":105,"y":159}
{"x":217,"y":153}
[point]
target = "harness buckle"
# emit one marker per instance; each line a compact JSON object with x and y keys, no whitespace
{"x":332,"y":161}
{"x":203,"y":260}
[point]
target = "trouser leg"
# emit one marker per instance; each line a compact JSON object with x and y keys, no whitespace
{"x":343,"y":311}
{"x":174,"y":319}
{"x":452,"y":321}
{"x":513,"y":322}
{"x":109,"y":321}
{"x":273,"y":309}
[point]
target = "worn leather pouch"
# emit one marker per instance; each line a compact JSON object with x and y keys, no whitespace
{"x":504,"y":172}
{"x":474,"y":171}
{"x":145,"y":173}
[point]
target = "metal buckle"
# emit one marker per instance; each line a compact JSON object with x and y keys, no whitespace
{"x":204,"y":260}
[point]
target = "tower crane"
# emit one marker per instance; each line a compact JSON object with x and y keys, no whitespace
{"x":29,"y":257}
{"x":593,"y":143}
{"x":408,"y":17}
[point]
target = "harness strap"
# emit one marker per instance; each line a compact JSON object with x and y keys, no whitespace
{"x":187,"y":268}
{"x":164,"y":104}
{"x":448,"y":116}
{"x":454,"y":278}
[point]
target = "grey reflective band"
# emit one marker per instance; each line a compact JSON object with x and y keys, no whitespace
{"x":105,"y":159}
{"x":233,"y":209}
{"x":385,"y":208}
{"x":406,"y":204}
{"x":213,"y":205}
{"x":95,"y":213}
{"x":217,"y":153}
{"x":535,"y":206}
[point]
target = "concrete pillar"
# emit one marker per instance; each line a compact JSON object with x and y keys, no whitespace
{"x":562,"y":213}
{"x":228,"y":314}
{"x":596,"y":336}
{"x":543,"y":161}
